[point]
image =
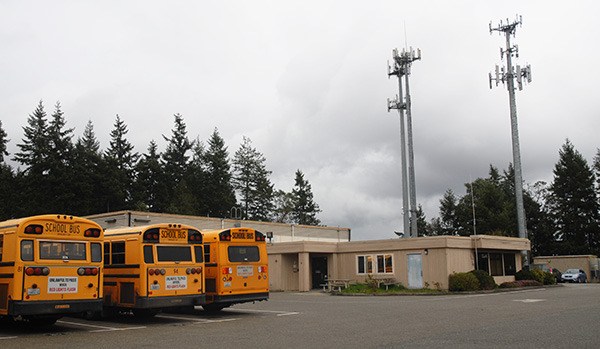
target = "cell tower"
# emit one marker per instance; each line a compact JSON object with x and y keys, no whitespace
{"x":508,"y":75}
{"x":401,"y":68}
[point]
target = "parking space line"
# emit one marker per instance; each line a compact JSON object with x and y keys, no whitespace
{"x":13,"y":337}
{"x":278,"y":312}
{"x":101,"y":328}
{"x":199,"y":320}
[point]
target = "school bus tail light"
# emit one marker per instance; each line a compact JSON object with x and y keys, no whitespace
{"x":37,"y":271}
{"x":227,"y":270}
{"x":151,"y":235}
{"x":87,"y":271}
{"x":193,"y":270}
{"x":194,"y":236}
{"x":262,"y":268}
{"x":34,"y":229}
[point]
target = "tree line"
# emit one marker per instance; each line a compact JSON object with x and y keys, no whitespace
{"x":563,"y":217}
{"x":58,"y":174}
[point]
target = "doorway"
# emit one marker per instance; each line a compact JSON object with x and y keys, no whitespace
{"x":318,"y":271}
{"x":415,"y":271}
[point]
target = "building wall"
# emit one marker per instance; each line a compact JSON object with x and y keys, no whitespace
{"x":441,"y":256}
{"x":587,"y":263}
{"x":282,"y":232}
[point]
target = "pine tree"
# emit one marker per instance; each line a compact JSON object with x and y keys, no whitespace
{"x":60,"y":175}
{"x":7,"y":180}
{"x":120,"y":168}
{"x":574,"y":203}
{"x":305,"y":209}
{"x":3,"y":142}
{"x":283,"y":207}
{"x":175,"y":157}
{"x":150,"y":192}
{"x":219,"y":195}
{"x":448,"y":218}
{"x":597,"y":170}
{"x":422,"y":226}
{"x":251,"y":179}
{"x":33,"y":154}
{"x":89,"y":166}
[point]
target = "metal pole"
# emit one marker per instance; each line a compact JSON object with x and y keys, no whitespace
{"x":516,"y":147}
{"x":405,"y":204}
{"x":411,"y":161}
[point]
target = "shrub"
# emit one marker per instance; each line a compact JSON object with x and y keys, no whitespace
{"x":523,"y":275}
{"x":549,"y":278}
{"x":486,"y":282}
{"x":520,"y":283}
{"x":463,"y":282}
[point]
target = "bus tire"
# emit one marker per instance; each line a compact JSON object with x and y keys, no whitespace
{"x":145,"y":313}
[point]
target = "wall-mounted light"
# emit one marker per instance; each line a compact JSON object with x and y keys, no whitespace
{"x":426,"y":252}
{"x":269,"y":236}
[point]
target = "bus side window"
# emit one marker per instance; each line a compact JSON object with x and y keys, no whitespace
{"x":27,"y":250}
{"x":106,"y":253}
{"x":207,"y":253}
{"x":198,"y":252}
{"x":148,"y":255}
{"x":96,"y":252}
{"x":118,"y":253}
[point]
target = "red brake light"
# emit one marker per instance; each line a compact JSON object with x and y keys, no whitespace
{"x":29,"y":271}
{"x":94,"y":271}
{"x":151,"y":271}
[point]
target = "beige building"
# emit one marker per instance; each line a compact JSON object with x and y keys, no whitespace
{"x":416,"y":263}
{"x":302,"y":257}
{"x":587,"y":263}
{"x":281,"y":232}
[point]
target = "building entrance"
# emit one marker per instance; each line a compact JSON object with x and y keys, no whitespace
{"x":318,"y":271}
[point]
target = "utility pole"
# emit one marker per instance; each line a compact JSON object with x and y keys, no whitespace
{"x":508,"y":75}
{"x":401,"y":68}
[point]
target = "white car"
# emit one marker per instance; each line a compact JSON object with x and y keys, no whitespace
{"x":574,"y":275}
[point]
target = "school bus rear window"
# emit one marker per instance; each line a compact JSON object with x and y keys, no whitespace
{"x":243,"y":253}
{"x":174,"y":253}
{"x":62,"y":250}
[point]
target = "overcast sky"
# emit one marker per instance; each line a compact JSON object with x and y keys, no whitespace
{"x":307,"y":82}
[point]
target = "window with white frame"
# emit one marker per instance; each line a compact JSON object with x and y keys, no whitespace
{"x":375,"y":264}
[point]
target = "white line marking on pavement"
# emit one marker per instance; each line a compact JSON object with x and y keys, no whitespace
{"x":101,"y":328}
{"x":198,"y":320}
{"x":13,"y":337}
{"x":278,"y":312}
{"x":528,"y":300}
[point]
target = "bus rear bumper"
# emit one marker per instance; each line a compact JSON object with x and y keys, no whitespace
{"x":169,"y":301}
{"x":16,"y":308}
{"x":238,"y":298}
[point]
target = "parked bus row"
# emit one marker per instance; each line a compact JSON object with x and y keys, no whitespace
{"x":57,"y":265}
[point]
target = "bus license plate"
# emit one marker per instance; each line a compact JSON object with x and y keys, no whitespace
{"x":33,"y":291}
{"x":245,"y":270}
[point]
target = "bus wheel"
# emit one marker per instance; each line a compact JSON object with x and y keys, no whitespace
{"x":145,"y":313}
{"x":213,"y":308}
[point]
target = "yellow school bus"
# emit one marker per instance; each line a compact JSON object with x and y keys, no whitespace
{"x":153,"y":267}
{"x":236,"y":267}
{"x":50,"y":266}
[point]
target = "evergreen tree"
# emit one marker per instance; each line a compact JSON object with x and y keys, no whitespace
{"x":33,"y":154}
{"x":150,"y":192}
{"x":251,"y":179}
{"x":574,"y":204}
{"x":175,"y":157}
{"x":3,"y":142}
{"x":219,"y":195}
{"x":423,"y":227}
{"x":305,"y":209}
{"x":283,"y":203}
{"x":7,"y":180}
{"x":448,"y":216}
{"x":597,"y":170}
{"x":60,"y":176}
{"x":88,"y":165}
{"x":120,"y":168}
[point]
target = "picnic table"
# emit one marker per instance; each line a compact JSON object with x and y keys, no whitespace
{"x":387,"y":282}
{"x":336,"y":284}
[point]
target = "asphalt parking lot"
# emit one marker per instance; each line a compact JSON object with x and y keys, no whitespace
{"x":553,"y":317}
